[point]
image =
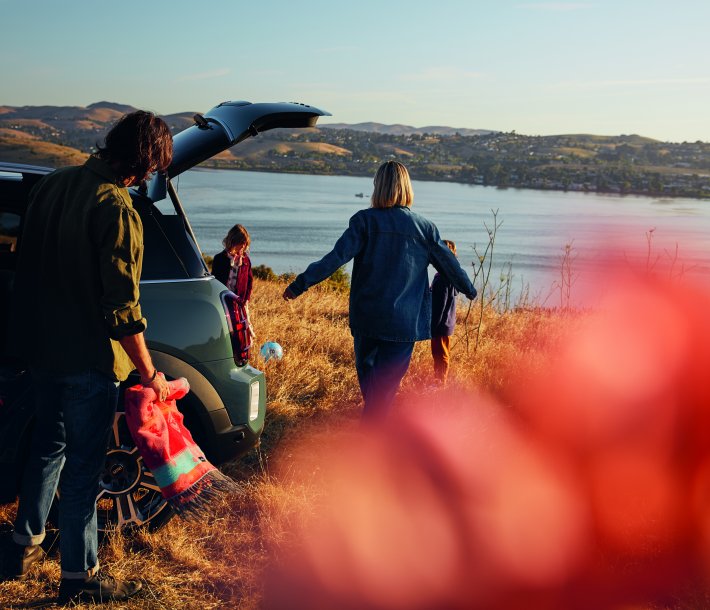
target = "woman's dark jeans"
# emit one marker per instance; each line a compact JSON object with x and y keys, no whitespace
{"x":75,"y":415}
{"x":380,"y":367}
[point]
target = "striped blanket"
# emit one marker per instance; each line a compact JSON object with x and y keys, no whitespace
{"x":187,"y":480}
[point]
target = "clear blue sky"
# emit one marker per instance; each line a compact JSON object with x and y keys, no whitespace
{"x":605,"y":67}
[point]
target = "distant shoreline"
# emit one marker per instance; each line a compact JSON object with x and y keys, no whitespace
{"x":207,"y":165}
{"x":618,"y":165}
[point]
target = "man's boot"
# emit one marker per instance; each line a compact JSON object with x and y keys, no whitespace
{"x":97,"y":590}
{"x":21,"y":558}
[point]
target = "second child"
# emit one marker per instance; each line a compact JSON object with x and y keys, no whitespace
{"x":443,"y":320}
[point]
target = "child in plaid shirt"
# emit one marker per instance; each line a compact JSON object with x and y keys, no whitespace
{"x":232,"y":267}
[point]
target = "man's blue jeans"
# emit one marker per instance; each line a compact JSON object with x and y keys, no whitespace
{"x":380,"y":367}
{"x":75,"y":415}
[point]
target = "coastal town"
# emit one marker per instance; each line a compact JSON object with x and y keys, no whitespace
{"x":620,"y":164}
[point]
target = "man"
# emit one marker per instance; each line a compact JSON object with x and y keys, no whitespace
{"x":77,"y":322}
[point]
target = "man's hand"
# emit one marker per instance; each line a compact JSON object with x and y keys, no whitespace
{"x":138,"y":353}
{"x":288,"y":295}
{"x":158,"y":385}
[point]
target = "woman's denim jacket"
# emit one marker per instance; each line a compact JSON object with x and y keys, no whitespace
{"x":390,"y":297}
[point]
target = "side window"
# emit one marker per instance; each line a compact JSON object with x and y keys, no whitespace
{"x":9,"y":231}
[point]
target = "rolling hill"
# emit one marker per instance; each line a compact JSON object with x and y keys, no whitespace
{"x":407,"y":130}
{"x":20,"y":147}
{"x":61,"y":135}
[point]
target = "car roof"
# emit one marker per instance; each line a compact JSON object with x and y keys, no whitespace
{"x":22,"y":168}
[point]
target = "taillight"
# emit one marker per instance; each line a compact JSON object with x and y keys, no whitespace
{"x":238,"y":327}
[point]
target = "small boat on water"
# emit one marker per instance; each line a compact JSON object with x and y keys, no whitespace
{"x":359,"y":195}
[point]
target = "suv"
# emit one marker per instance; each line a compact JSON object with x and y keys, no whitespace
{"x":191,"y":329}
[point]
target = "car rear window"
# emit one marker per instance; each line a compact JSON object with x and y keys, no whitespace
{"x":170,"y":252}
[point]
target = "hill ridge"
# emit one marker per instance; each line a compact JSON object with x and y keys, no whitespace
{"x":400,"y":129}
{"x":579,"y":162}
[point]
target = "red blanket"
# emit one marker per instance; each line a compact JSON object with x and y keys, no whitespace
{"x":187,"y":480}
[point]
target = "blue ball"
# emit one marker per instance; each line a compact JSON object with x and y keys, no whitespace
{"x":271,"y":349}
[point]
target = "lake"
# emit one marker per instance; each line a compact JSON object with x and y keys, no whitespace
{"x":295,"y":219}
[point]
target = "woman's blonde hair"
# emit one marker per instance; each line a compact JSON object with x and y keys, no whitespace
{"x":237,"y":236}
{"x":392,"y":186}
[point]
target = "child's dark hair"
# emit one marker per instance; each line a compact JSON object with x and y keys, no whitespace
{"x":139,"y":144}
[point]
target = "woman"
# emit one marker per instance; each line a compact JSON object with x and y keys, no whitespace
{"x":390,"y":300}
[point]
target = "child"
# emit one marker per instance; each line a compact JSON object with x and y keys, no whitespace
{"x":232,"y":267}
{"x":443,"y":320}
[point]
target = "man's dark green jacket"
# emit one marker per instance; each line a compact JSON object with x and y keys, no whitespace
{"x":77,"y":280}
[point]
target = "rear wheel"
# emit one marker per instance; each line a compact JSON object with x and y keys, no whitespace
{"x":128,"y":493}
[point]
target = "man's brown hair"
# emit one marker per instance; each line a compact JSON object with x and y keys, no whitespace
{"x":139,"y":144}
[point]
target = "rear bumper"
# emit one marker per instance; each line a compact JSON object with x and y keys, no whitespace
{"x":226,"y":405}
{"x":239,"y":425}
{"x":228,"y":443}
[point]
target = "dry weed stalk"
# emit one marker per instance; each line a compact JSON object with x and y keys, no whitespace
{"x":490,"y":297}
{"x":568,"y":276}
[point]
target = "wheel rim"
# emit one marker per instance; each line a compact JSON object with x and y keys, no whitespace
{"x":128,"y":494}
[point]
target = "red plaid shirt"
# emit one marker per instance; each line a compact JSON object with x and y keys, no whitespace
{"x":241,"y":279}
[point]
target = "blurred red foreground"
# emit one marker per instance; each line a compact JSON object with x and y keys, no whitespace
{"x":589,"y":489}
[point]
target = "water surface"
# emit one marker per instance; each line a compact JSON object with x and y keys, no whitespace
{"x":295,"y":219}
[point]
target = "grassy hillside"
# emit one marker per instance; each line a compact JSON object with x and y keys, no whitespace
{"x":258,"y":149}
{"x":578,"y":162}
{"x":20,"y":147}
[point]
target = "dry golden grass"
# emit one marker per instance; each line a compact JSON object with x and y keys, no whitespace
{"x":218,"y":563}
{"x":582,"y":153}
{"x":255,"y":149}
{"x":19,"y":147}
